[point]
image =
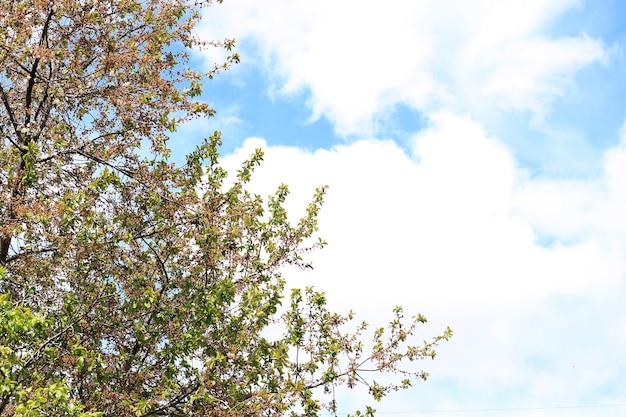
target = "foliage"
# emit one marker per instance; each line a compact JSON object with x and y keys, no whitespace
{"x":22,"y":342}
{"x":132,"y":285}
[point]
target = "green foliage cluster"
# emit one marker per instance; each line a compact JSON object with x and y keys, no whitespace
{"x":33,"y":393}
{"x":134,"y":286}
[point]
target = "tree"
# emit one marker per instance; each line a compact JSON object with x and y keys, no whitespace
{"x":133,"y":285}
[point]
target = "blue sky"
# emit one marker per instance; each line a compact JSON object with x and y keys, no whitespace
{"x":476,"y":159}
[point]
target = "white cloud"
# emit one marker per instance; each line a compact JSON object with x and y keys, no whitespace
{"x":578,"y":210}
{"x":359,"y":58}
{"x":460,"y":226}
{"x":526,"y":74}
{"x":452,"y":232}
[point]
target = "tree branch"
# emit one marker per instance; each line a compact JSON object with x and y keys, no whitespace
{"x":7,"y":106}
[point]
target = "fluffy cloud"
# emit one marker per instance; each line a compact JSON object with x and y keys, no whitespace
{"x":359,"y":58}
{"x":458,"y":221}
{"x":458,"y":231}
{"x":579,"y":210}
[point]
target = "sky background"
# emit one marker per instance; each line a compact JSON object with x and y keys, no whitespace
{"x":476,"y":158}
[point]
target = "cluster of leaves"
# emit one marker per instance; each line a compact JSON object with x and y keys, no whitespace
{"x":134,"y":286}
{"x":22,"y":343}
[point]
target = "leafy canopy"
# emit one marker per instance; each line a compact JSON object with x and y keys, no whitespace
{"x":134,"y":286}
